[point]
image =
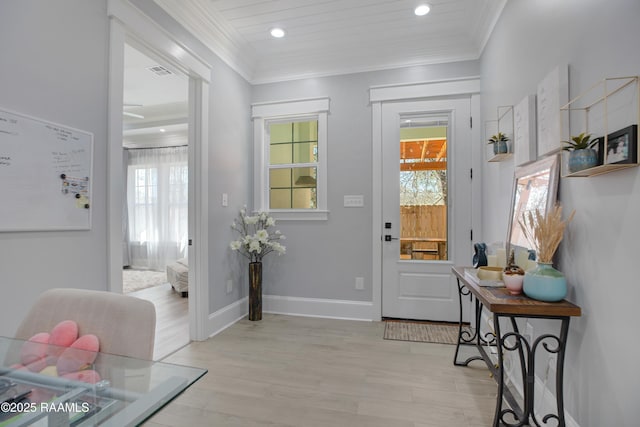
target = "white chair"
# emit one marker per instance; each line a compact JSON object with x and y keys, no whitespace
{"x":125,"y":325}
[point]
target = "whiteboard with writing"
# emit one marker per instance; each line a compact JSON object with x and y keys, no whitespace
{"x":45,"y":175}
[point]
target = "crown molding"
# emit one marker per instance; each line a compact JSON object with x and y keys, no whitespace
{"x":212,"y":30}
{"x":490,"y":21}
{"x":326,"y":70}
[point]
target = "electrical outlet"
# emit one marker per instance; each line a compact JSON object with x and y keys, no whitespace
{"x":360,"y":283}
{"x":225,"y":199}
{"x":229,"y":286}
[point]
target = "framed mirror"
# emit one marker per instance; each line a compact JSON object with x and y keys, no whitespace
{"x":535,"y":187}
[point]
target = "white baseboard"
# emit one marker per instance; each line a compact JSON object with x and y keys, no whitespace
{"x":549,"y":401}
{"x":315,"y":307}
{"x":293,"y":306}
{"x":227,"y":316}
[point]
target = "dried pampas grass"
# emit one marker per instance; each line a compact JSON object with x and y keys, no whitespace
{"x":545,"y":232}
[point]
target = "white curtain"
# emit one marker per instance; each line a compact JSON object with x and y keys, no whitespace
{"x":157,"y":200}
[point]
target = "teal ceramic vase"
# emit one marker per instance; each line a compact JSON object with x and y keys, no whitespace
{"x":582,"y":159}
{"x":500,"y":147}
{"x":545,"y":283}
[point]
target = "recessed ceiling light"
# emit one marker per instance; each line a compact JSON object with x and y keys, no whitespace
{"x":163,"y":130}
{"x":277,"y":33}
{"x":422,"y":10}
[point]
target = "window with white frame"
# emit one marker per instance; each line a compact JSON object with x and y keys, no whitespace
{"x":291,"y":158}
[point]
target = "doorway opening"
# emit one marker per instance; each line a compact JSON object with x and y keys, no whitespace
{"x":155,"y":217}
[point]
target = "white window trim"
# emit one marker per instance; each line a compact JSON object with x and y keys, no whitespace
{"x":289,"y":110}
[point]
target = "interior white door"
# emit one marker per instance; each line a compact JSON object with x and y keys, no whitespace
{"x":424,"y":235}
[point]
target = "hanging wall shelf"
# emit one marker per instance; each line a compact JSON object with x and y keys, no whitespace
{"x":504,"y":125}
{"x":609,"y":111}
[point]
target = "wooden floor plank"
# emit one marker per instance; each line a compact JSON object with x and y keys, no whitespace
{"x":307,"y":372}
{"x":172,"y":318}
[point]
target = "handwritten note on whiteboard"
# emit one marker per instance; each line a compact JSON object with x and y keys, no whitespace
{"x":45,"y":175}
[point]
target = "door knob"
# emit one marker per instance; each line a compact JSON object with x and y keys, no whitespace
{"x":388,"y":238}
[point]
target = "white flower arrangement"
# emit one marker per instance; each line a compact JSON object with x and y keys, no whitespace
{"x":256,"y":240}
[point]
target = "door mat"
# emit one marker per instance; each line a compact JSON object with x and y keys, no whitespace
{"x":433,"y":332}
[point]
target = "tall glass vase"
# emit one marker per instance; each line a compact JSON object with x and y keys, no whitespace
{"x":255,"y":291}
{"x":545,"y":283}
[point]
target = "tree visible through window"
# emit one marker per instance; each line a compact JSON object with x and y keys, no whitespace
{"x":423,"y":188}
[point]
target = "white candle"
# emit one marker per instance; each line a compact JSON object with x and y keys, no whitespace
{"x":501,"y":254}
{"x":522,"y":258}
{"x":492,"y":260}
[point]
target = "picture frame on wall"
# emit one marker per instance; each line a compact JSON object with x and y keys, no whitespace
{"x":524,"y":138}
{"x":552,"y":93}
{"x":622,"y":146}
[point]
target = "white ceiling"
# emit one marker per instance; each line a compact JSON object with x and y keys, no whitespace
{"x":324,"y":37}
{"x":155,"y":104}
{"x":329,"y":37}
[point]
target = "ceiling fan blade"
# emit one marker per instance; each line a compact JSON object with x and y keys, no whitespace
{"x":137,"y":116}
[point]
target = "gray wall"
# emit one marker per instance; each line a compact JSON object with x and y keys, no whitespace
{"x":324,"y":257}
{"x":597,"y":40}
{"x":54,"y":66}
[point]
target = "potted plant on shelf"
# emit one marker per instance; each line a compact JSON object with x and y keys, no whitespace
{"x":499,"y":142}
{"x":581,"y":153}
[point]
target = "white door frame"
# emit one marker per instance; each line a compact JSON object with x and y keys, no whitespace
{"x":129,"y":23}
{"x":408,"y":92}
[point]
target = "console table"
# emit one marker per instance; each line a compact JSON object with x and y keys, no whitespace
{"x":502,"y":304}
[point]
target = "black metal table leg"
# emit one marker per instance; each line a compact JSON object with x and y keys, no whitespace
{"x":464,"y":336}
{"x":500,"y":376}
{"x":549,"y":343}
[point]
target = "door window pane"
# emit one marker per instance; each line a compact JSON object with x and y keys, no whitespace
{"x":424,"y":190}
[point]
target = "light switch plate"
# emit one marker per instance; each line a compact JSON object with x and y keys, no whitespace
{"x":354,"y":201}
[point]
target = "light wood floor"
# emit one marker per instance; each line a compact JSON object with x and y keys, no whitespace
{"x":296,"y":371}
{"x":172,"y":318}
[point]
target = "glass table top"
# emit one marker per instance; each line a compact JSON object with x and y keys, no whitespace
{"x":45,"y":385}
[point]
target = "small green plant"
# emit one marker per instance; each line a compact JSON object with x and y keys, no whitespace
{"x":499,"y":137}
{"x":580,"y":142}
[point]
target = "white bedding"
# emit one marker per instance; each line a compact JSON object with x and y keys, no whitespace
{"x":178,"y":275}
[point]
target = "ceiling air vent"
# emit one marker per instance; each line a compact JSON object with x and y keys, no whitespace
{"x":159,"y":70}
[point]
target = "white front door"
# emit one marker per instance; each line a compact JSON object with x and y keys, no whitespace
{"x":426,"y":206}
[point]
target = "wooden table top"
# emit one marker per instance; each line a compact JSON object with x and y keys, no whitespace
{"x":500,"y":301}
